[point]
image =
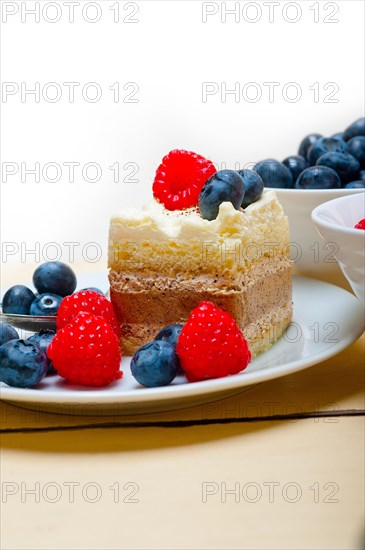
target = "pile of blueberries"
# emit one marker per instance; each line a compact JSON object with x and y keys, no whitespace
{"x":24,"y":362}
{"x":322,"y":162}
{"x":53,"y":281}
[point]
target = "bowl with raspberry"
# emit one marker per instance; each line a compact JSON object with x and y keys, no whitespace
{"x":341,"y":223}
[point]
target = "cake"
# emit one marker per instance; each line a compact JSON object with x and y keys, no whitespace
{"x":163,"y":263}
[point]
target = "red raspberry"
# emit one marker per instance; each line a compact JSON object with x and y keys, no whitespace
{"x":211,"y":345}
{"x":360,"y":225}
{"x":180,"y":178}
{"x":87,"y":300}
{"x":86,"y":351}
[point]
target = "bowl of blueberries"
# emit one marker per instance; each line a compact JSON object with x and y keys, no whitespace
{"x":342,"y":221}
{"x":324,"y":168}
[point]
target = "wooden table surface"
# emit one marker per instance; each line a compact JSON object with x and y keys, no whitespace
{"x":279,"y":465}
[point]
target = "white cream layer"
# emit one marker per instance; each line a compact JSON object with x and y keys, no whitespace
{"x":154,"y":223}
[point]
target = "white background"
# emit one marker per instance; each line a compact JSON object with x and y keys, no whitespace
{"x":169,"y":52}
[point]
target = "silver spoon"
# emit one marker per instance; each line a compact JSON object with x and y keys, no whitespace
{"x":32,"y":323}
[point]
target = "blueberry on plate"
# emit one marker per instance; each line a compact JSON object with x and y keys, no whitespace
{"x":325,"y":145}
{"x":274,"y":174}
{"x":45,"y":305}
{"x":18,"y":300}
{"x":346,"y":166}
{"x":254,"y":186}
{"x":357,"y":128}
{"x":94,"y":289}
{"x":7,"y":333}
{"x":42,"y":339}
{"x":170,"y":334}
{"x":55,"y":278}
{"x":296,"y":164}
{"x":155,"y":364}
{"x":223,"y":186}
{"x":306,"y":143}
{"x":318,"y":177}
{"x":22,"y":364}
{"x":358,"y":184}
{"x":356,"y":148}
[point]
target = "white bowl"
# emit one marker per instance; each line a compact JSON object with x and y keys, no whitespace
{"x":311,"y":256}
{"x":335,"y":221}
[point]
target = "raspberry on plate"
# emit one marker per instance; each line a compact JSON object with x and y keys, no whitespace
{"x":211,"y":345}
{"x":86,"y":351}
{"x":90,"y":301}
{"x":180,"y":178}
{"x":360,"y":224}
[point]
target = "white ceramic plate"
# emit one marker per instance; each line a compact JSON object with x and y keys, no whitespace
{"x":326,"y":320}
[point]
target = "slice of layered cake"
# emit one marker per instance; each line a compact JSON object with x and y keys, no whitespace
{"x":163,"y":262}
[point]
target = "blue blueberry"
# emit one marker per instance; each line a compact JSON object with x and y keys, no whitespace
{"x":18,"y":300}
{"x":254,"y":186}
{"x":56,"y":278}
{"x":325,"y":145}
{"x":318,"y":177}
{"x":296,"y":164}
{"x":338,"y":135}
{"x":94,"y":289}
{"x":46,"y":304}
{"x":356,"y":148}
{"x":7,"y":332}
{"x":42,"y":339}
{"x":357,"y":128}
{"x":359,"y":184}
{"x":274,"y":174}
{"x":362,"y":175}
{"x":225,"y":185}
{"x":155,"y":364}
{"x":22,"y":364}
{"x":306,"y":143}
{"x":346,"y":166}
{"x":170,"y":334}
